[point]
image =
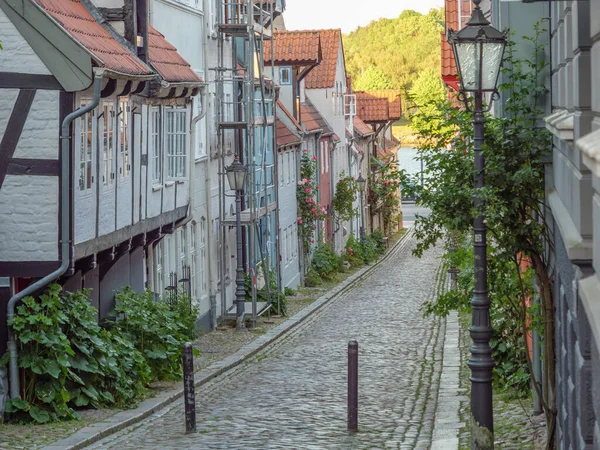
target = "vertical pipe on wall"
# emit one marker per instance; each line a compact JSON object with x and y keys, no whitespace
{"x":65,"y":238}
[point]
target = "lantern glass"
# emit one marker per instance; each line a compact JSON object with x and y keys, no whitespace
{"x":361,"y":182}
{"x":479,"y":64}
{"x":236,"y":175}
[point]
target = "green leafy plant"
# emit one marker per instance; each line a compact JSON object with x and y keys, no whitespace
{"x":346,"y":191}
{"x":515,"y":150}
{"x":289,"y":292}
{"x":312,"y":279}
{"x":68,"y":361}
{"x":309,"y":211}
{"x":262,"y":295}
{"x":157,"y":329}
{"x":325,"y":262}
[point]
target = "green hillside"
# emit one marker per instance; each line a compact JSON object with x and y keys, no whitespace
{"x":393,"y":52}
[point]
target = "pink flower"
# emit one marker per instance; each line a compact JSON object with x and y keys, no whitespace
{"x":313,"y":241}
{"x":312,"y":210}
{"x":317,"y":215}
{"x":300,"y":220}
{"x":314,"y":158}
{"x":307,"y":190}
{"x":305,"y":150}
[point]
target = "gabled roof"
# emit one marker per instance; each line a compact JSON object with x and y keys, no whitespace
{"x":392,"y":96}
{"x":108,"y":53}
{"x":313,"y":120}
{"x":169,"y":64}
{"x":287,"y":134}
{"x":323,"y":76}
{"x":294,"y":48}
{"x":449,"y":71}
{"x":372,"y":109}
{"x":362,"y":128}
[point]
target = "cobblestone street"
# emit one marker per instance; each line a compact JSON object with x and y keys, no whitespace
{"x":293,"y":395}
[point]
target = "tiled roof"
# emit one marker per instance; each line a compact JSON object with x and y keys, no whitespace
{"x":323,"y":76}
{"x":393,"y":96}
{"x":294,"y":48}
{"x":167,"y":62}
{"x":79,"y":23}
{"x":313,"y":120}
{"x":362,"y":128}
{"x":372,"y":109}
{"x":391,"y":146}
{"x":285,"y":135}
{"x":448,"y":63}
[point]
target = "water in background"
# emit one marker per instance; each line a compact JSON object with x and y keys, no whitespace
{"x":408,"y":159}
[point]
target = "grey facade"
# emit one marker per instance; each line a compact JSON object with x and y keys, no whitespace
{"x":572,"y":194}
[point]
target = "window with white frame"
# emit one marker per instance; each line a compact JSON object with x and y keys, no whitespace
{"x":288,"y":175}
{"x":124,"y":138}
{"x":202,"y":255}
{"x":108,"y":137}
{"x":193,"y":260}
{"x":156,"y":144}
{"x":159,"y":266}
{"x":281,"y":169}
{"x":285,"y":75}
{"x":86,"y":149}
{"x":284,"y":246}
{"x":182,"y":254}
{"x":294,"y":240}
{"x":176,"y":141}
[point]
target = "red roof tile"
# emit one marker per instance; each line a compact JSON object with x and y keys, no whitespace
{"x":313,"y":120}
{"x":448,"y":63}
{"x":372,"y":109}
{"x":294,"y":48}
{"x":323,"y":76}
{"x":79,"y":23}
{"x":285,"y":135}
{"x":362,"y":128}
{"x":393,"y":96}
{"x":167,"y":62}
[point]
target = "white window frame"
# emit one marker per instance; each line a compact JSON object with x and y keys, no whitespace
{"x":288,"y":175}
{"x":124,"y":138}
{"x":281,"y":169}
{"x":156,"y":147}
{"x":176,"y":141}
{"x":288,"y":71}
{"x":108,"y":142}
{"x":159,"y":266}
{"x":86,"y":146}
{"x":202,"y":254}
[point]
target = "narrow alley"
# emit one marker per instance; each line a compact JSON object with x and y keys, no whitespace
{"x":293,"y":394}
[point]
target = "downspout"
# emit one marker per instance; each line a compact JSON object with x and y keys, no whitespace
{"x":65,"y":238}
{"x":195,"y":120}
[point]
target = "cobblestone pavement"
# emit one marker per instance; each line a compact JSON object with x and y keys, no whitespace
{"x":293,"y":395}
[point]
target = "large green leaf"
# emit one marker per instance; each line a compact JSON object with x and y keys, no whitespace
{"x":39,"y":415}
{"x":45,"y":392}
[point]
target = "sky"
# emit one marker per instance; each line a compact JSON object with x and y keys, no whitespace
{"x":348,"y":14}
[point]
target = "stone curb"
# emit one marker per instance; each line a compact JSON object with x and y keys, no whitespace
{"x":95,"y":432}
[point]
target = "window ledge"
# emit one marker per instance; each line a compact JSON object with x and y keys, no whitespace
{"x":180,"y":181}
{"x":169,"y":183}
{"x":577,"y":247}
{"x":156,"y":187}
{"x":201,"y":159}
{"x":590,"y":291}
{"x":590,"y":147}
{"x":561,"y":125}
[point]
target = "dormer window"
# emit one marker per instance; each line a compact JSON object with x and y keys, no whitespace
{"x":285,"y":75}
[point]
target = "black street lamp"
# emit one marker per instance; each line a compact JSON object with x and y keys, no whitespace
{"x":361,"y":185}
{"x":478,"y":51}
{"x":236,"y":175}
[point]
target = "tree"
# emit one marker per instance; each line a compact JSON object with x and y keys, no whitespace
{"x":514,"y":209}
{"x":426,"y":93}
{"x":373,"y":78}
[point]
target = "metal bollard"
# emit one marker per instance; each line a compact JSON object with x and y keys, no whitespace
{"x":353,"y":385}
{"x":189,"y":390}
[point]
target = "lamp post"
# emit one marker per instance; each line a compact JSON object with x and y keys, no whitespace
{"x":236,"y":175}
{"x":361,"y":185}
{"x":478,"y":51}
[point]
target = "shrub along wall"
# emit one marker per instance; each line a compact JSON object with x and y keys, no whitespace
{"x":69,"y":361}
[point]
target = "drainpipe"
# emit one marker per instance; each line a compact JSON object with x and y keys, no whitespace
{"x":65,"y":238}
{"x":195,"y":120}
